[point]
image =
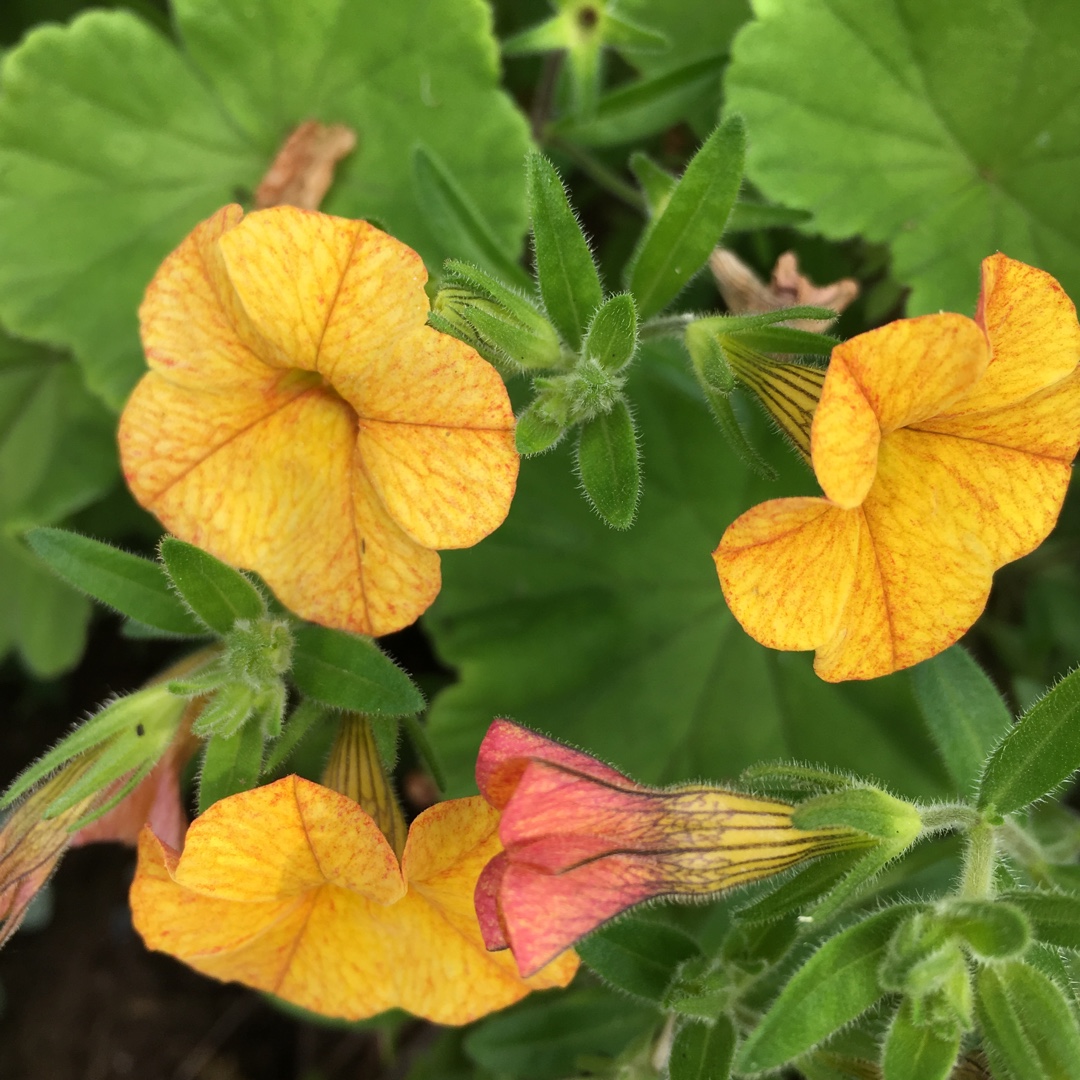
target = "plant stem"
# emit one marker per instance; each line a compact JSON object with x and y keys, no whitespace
{"x":667,"y":326}
{"x":948,"y":817}
{"x":980,"y":859}
{"x":598,"y":171}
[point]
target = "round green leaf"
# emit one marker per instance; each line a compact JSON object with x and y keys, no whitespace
{"x":949,"y":130}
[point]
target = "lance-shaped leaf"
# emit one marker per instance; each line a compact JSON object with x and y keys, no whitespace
{"x":612,"y":338}
{"x":646,"y":106}
{"x":350,"y":672}
{"x":609,"y":467}
{"x":565,"y":271}
{"x":456,"y":221}
{"x":1029,"y":1030}
{"x":218,"y":594}
{"x":656,"y":183}
{"x":1038,"y":755}
{"x":702,"y":1051}
{"x":1054,"y":917}
{"x":132,"y":585}
{"x":677,"y":242}
{"x":918,"y":1052}
{"x":837,"y":984}
{"x":963,"y":710}
{"x":230,"y":764}
{"x":637,"y":955}
{"x":807,"y":886}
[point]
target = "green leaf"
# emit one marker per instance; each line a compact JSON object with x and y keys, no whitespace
{"x":1038,"y":755}
{"x":1029,"y":1031}
{"x":915,"y":1052}
{"x":565,"y":271}
{"x":57,"y":443}
{"x":837,"y":984}
{"x":622,"y":643}
{"x":350,"y":672}
{"x":543,"y":1037}
{"x":534,"y":432}
{"x":656,"y":183}
{"x":697,"y":29}
{"x":1054,"y":917}
{"x":945,"y":130}
{"x":114,"y":143}
{"x":702,"y":1051}
{"x":612,"y":336}
{"x":134,"y":586}
{"x":609,"y":466}
{"x":218,"y":594}
{"x":230,"y":764}
{"x":752,"y":216}
{"x":457,"y":222}
{"x":41,"y":618}
{"x":637,"y":955}
{"x":807,"y":886}
{"x":676,"y":243}
{"x":992,"y":929}
{"x":306,"y":716}
{"x":644,"y":107}
{"x":966,"y":715}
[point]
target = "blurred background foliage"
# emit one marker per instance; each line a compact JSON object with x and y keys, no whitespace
{"x":913,"y":137}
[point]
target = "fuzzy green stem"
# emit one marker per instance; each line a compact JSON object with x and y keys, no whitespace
{"x":666,"y":326}
{"x":977,"y":882}
{"x":948,"y":817}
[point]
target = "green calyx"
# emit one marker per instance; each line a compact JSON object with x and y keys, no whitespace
{"x":504,"y":326}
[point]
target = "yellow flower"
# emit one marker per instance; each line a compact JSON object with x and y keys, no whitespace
{"x":293,"y":889}
{"x":301,"y":420}
{"x":944,"y":448}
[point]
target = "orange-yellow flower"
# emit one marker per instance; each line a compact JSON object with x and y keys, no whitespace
{"x":291,"y":888}
{"x":944,"y":448}
{"x":300,"y":419}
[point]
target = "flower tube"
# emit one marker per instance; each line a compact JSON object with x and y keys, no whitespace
{"x":583,"y":843}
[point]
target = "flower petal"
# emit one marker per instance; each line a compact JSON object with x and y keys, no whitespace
{"x":270,"y":481}
{"x":323,"y":292}
{"x":436,"y":438}
{"x":250,"y":942}
{"x":943,"y":514}
{"x":508,"y":748}
{"x":1033,"y":334}
{"x":285,"y":839}
{"x":192,"y":324}
{"x":787,"y":568}
{"x":886,"y":379}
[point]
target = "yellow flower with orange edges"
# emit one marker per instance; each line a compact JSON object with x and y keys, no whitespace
{"x":944,"y":447}
{"x":293,"y":889}
{"x":299,"y":418}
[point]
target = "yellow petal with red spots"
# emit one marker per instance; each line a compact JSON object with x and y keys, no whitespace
{"x":300,"y":420}
{"x":440,"y":449}
{"x":292,"y":889}
{"x":193,"y":327}
{"x":1033,"y":332}
{"x":787,"y":568}
{"x":886,"y":379}
{"x":326,"y":293}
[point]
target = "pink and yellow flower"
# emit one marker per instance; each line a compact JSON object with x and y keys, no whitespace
{"x":299,"y":418}
{"x":293,"y":889}
{"x":944,"y":447}
{"x":583,"y":843}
